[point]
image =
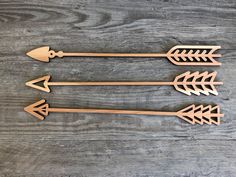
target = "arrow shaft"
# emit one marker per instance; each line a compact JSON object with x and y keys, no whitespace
{"x":107,"y":83}
{"x":115,"y":54}
{"x":111,"y":111}
{"x":128,"y":83}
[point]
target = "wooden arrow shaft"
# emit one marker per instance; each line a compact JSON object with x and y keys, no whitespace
{"x":152,"y":55}
{"x":117,"y":111}
{"x":108,"y":83}
{"x":127,"y":83}
{"x":115,"y":54}
{"x":111,"y":111}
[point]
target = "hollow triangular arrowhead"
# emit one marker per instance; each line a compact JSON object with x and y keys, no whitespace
{"x":37,"y":109}
{"x":44,"y":79}
{"x":41,"y":54}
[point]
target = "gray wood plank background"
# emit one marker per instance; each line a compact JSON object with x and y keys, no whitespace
{"x":113,"y":145}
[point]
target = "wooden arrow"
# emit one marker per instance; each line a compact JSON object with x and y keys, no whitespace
{"x":192,"y":114}
{"x":178,"y":55}
{"x":186,"y":83}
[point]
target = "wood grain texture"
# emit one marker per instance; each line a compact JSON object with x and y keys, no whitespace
{"x":113,"y":145}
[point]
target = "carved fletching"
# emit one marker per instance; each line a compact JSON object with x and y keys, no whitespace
{"x":193,"y":55}
{"x":200,"y":114}
{"x":196,"y":83}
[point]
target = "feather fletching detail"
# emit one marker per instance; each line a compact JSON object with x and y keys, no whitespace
{"x":196,"y":83}
{"x":193,"y":55}
{"x":201,"y":114}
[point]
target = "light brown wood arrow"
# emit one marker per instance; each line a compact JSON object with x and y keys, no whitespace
{"x":191,"y":114}
{"x":186,"y":83}
{"x":195,"y":55}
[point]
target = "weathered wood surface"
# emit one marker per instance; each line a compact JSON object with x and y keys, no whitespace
{"x":113,"y":145}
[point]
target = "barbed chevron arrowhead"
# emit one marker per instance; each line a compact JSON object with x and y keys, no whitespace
{"x":38,"y":109}
{"x":34,"y":83}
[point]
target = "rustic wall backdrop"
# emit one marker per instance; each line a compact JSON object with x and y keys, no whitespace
{"x":87,"y":145}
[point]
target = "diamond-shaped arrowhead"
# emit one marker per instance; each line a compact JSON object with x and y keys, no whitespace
{"x":40,"y":54}
{"x":44,"y":79}
{"x":38,"y":109}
